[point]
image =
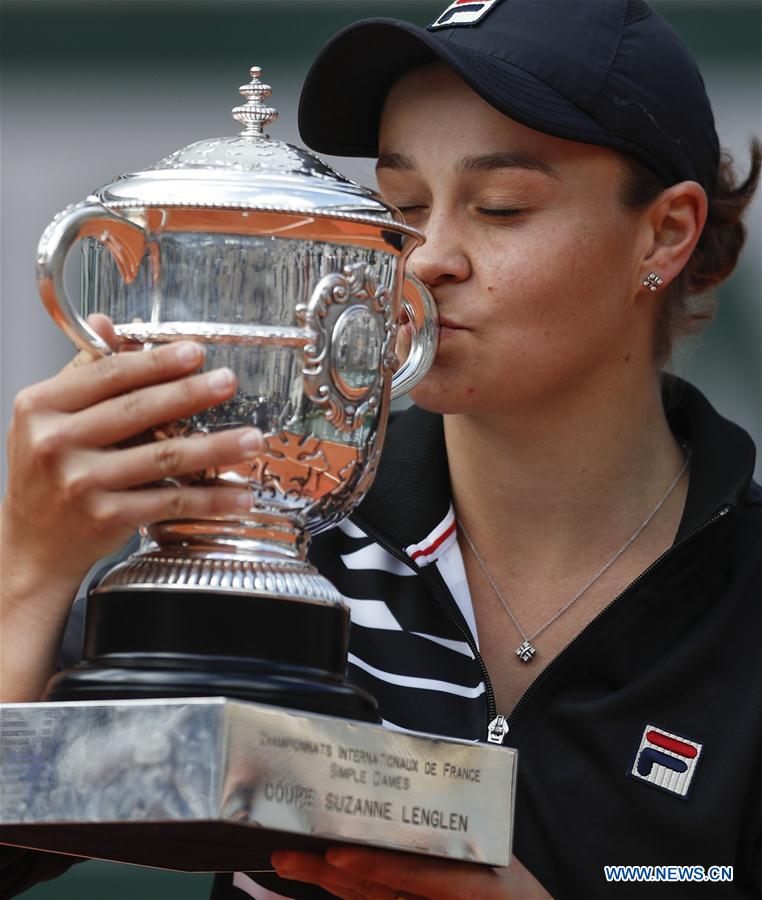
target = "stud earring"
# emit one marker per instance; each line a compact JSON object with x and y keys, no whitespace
{"x":653,"y":281}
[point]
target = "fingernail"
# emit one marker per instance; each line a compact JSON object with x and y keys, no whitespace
{"x":188,"y":352}
{"x":251,"y":442}
{"x":221,"y":380}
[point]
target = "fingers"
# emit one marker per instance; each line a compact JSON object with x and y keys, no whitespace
{"x":109,"y":512}
{"x":122,"y":417}
{"x":157,"y":460}
{"x":412,"y":875}
{"x":79,"y":386}
{"x":312,"y":868}
{"x":105,"y":328}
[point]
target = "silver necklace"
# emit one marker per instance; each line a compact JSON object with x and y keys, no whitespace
{"x":526,"y":650}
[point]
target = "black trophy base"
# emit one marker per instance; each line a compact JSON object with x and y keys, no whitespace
{"x":311,"y":693}
{"x":164,"y":643}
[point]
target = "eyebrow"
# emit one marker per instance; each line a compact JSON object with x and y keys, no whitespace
{"x":395,"y":161}
{"x":508,"y":159}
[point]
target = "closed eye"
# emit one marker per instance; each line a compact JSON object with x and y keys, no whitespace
{"x":502,"y":212}
{"x":412,"y":214}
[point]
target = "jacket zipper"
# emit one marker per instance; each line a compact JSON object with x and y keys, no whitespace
{"x":499,"y":725}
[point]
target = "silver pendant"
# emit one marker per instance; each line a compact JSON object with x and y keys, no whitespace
{"x":525,"y":652}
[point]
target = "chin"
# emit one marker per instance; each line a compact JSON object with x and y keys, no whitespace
{"x":451,"y":391}
{"x":440,"y":396}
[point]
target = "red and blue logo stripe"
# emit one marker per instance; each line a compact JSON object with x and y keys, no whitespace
{"x":666,"y":760}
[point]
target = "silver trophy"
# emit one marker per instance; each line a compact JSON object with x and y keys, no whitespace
{"x":293,"y":277}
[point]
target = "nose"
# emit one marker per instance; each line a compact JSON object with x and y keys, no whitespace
{"x":442,"y":259}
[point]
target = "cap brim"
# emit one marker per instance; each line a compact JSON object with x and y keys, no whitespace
{"x":345,"y":89}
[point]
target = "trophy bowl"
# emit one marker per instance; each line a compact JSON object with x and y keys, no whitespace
{"x":293,"y":277}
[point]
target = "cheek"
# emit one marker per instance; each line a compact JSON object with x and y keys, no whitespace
{"x":560,"y":284}
{"x":551,"y":310}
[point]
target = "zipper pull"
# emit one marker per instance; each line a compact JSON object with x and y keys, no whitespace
{"x":497,"y":730}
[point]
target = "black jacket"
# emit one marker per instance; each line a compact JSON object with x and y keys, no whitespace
{"x":680,"y":649}
{"x":679,"y":652}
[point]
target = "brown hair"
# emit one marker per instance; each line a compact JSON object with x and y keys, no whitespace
{"x":687,"y":307}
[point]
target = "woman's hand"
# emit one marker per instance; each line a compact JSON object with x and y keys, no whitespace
{"x":355,"y":873}
{"x":75,"y":496}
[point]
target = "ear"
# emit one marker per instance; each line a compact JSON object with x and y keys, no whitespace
{"x":675,"y":220}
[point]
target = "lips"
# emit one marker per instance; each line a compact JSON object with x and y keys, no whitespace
{"x":445,"y":325}
{"x":450,"y":325}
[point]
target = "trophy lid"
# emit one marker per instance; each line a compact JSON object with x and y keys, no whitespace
{"x":251,"y":171}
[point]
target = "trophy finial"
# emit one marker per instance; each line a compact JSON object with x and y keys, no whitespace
{"x":254,"y":115}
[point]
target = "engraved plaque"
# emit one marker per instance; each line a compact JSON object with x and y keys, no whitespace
{"x":219,"y":784}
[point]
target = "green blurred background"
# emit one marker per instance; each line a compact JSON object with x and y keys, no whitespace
{"x":95,"y":88}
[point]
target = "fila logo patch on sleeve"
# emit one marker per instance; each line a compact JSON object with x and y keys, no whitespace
{"x":463,"y":12}
{"x":665,"y":760}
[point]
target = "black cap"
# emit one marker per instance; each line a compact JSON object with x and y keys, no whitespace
{"x":609,"y":72}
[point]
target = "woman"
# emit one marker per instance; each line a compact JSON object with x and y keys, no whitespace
{"x":553,"y":507}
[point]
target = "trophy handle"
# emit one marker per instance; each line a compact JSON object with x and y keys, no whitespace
{"x":88,"y":218}
{"x":422,"y":312}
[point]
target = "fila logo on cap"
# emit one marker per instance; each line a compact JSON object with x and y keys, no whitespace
{"x":464,"y":12}
{"x":665,"y":760}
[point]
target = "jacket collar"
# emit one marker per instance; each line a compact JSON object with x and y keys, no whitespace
{"x":722,"y":454}
{"x":410,"y":498}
